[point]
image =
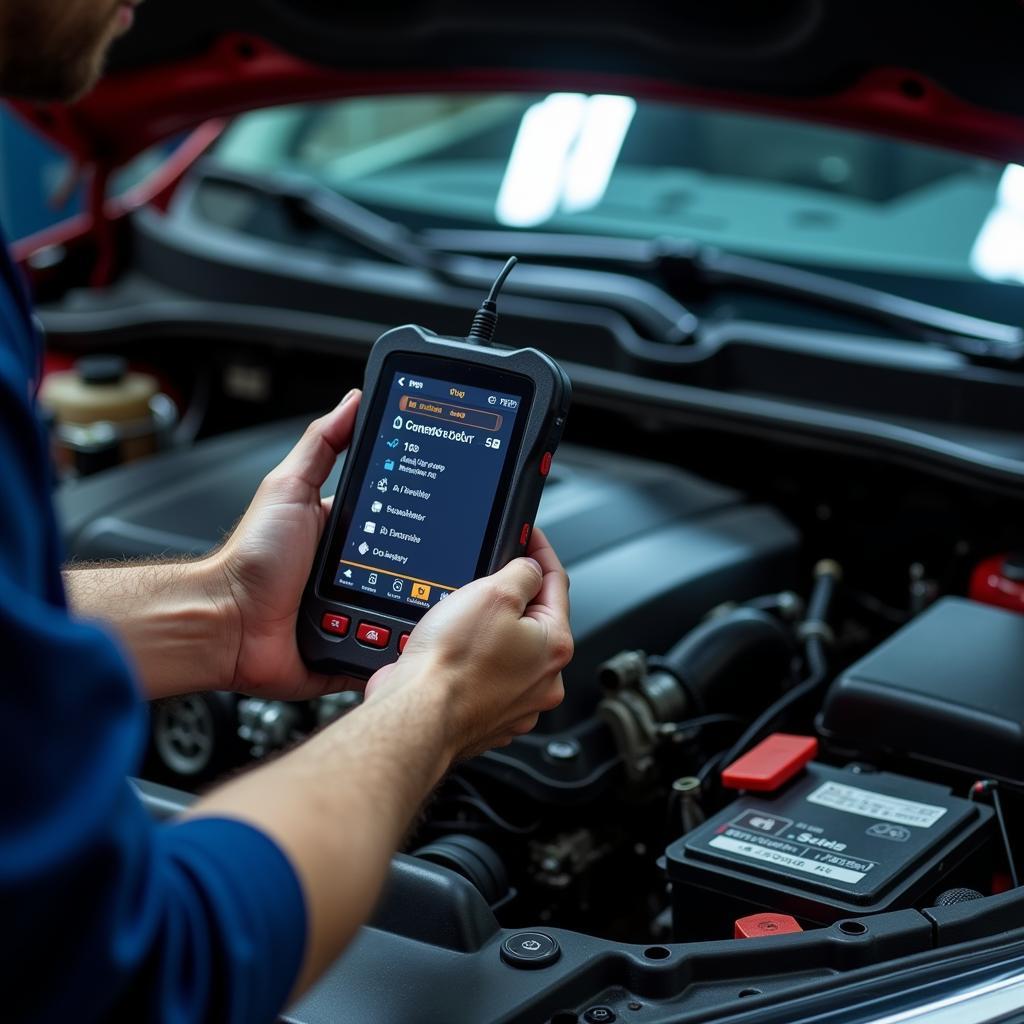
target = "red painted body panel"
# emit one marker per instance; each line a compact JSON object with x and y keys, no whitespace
{"x":132,"y":110}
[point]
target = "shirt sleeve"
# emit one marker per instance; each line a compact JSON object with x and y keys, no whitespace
{"x":107,"y":915}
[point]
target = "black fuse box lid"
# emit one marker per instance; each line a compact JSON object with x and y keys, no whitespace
{"x":833,"y":842}
{"x":947,"y":688}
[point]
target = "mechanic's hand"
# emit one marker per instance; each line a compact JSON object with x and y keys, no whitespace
{"x":493,"y":652}
{"x":266,"y":562}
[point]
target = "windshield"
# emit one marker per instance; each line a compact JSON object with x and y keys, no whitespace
{"x":568,"y":162}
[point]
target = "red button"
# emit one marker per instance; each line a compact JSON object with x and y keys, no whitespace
{"x":545,"y":464}
{"x":759,"y":925}
{"x":336,"y":624}
{"x":373,"y":636}
{"x":772,"y":762}
{"x":524,"y":535}
{"x":402,"y":641}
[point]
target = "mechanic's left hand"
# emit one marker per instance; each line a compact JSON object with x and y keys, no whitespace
{"x":266,"y":561}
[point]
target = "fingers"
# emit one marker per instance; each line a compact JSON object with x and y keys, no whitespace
{"x":546,"y":698}
{"x":502,"y":737}
{"x":322,"y":684}
{"x":519,"y":581}
{"x":553,"y":596}
{"x":379,"y":679}
{"x":553,"y":695}
{"x":313,"y":458}
{"x":524,"y":725}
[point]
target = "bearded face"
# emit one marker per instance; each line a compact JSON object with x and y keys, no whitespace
{"x":55,"y":49}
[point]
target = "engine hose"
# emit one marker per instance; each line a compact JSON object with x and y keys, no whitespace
{"x":711,"y":668}
{"x":815,"y":630}
{"x":474,"y":860}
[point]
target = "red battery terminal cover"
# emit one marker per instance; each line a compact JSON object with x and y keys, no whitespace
{"x":758,"y":926}
{"x":771,"y":764}
{"x":999,"y":581}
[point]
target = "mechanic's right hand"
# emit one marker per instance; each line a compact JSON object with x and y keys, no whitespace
{"x":493,"y":652}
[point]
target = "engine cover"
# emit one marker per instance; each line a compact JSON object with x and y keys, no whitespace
{"x":944,"y":689}
{"x":650,"y":549}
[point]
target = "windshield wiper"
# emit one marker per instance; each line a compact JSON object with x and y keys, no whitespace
{"x":685,"y":267}
{"x":304,"y":197}
{"x":709,"y":267}
{"x":689,"y":268}
{"x":653,"y":311}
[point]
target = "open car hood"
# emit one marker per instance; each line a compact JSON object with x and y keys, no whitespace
{"x":941,"y":72}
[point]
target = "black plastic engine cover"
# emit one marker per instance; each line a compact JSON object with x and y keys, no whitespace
{"x":433,"y":954}
{"x":650,"y":550}
{"x":946,"y":689}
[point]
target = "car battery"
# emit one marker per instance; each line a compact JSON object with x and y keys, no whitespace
{"x":831,"y":843}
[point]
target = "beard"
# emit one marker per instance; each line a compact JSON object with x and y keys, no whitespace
{"x":54,"y":50}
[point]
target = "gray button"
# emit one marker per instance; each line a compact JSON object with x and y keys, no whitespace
{"x":530,"y":949}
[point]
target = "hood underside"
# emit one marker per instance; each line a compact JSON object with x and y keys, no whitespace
{"x":940,"y":72}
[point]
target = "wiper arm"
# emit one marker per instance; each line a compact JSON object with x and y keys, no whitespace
{"x":686,"y":267}
{"x":366,"y":229}
{"x":654,"y":311}
{"x":709,"y":267}
{"x":693,"y":270}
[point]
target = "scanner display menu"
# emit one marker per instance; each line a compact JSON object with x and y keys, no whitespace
{"x":419,"y":519}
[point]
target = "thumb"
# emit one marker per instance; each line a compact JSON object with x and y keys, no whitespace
{"x":313,"y":457}
{"x":521,"y":579}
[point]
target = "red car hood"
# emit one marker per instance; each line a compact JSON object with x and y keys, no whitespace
{"x":943,"y":72}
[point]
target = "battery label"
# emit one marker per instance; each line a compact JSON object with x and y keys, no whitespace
{"x":879,"y":806}
{"x":782,"y":859}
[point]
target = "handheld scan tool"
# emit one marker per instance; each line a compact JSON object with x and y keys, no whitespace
{"x":451,"y":447}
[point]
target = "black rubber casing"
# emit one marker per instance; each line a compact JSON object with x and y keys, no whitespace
{"x":944,"y":689}
{"x":545,"y":421}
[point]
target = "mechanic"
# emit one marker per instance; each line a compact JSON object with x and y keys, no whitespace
{"x":230,"y":912}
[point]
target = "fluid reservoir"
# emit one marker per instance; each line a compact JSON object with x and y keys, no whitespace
{"x":104,"y":414}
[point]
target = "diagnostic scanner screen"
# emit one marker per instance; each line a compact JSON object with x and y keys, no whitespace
{"x":423,"y":507}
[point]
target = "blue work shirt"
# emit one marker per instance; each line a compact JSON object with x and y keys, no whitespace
{"x":104,"y":914}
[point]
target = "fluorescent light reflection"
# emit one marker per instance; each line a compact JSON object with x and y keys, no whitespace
{"x":998,"y":251}
{"x":532,"y":187}
{"x":592,"y":160}
{"x":563,"y":158}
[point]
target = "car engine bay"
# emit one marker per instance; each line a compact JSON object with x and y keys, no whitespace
{"x":770,"y":725}
{"x":789,"y":499}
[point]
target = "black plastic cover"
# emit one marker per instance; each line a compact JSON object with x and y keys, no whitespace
{"x":650,"y":549}
{"x":431,"y":954}
{"x":946,"y":688}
